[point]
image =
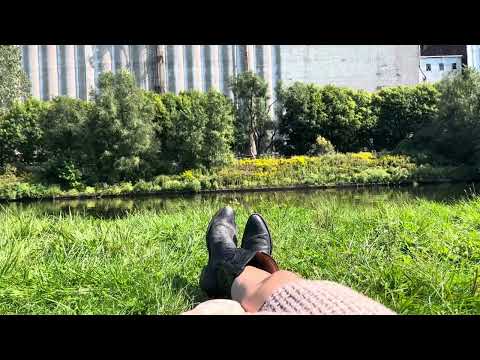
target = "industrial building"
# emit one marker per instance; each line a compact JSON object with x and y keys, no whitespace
{"x":73,"y":70}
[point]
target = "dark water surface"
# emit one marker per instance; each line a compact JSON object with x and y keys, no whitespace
{"x":120,"y":207}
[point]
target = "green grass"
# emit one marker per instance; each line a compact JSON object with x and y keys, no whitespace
{"x":415,"y":256}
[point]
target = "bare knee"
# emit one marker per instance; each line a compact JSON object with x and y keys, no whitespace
{"x":283,"y":276}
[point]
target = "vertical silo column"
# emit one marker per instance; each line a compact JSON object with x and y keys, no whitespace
{"x":52,"y":71}
{"x":141,"y":62}
{"x":214,"y":67}
{"x":267,"y":69}
{"x":69,"y":71}
{"x":105,"y":58}
{"x":250,"y":53}
{"x":228,"y":67}
{"x":122,"y":57}
{"x":31,"y":53}
{"x":161,"y":61}
{"x":179,"y":69}
{"x":197,"y":67}
{"x":89,"y":69}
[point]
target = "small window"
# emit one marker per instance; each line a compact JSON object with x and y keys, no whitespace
{"x":440,"y":66}
{"x":454,"y":66}
{"x":428,"y":67}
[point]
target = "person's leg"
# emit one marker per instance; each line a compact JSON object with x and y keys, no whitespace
{"x":253,"y":286}
{"x":252,"y":277}
{"x":285,"y":292}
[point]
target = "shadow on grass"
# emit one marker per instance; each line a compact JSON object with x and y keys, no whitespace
{"x":191,"y":290}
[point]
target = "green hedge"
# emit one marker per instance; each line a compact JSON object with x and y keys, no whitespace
{"x":352,"y":119}
{"x":401,"y":112}
{"x":343,"y":116}
{"x":124,"y":134}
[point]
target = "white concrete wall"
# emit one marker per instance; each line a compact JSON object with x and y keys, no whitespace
{"x":435,"y":73}
{"x":473,"y":56}
{"x":358,"y":66}
{"x":366,"y":67}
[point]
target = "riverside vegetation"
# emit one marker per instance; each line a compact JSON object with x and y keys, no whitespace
{"x":130,"y":140}
{"x":326,"y":170}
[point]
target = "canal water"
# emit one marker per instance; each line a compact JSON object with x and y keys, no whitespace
{"x":120,"y":207}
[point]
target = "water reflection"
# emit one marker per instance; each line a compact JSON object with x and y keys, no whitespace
{"x":121,"y":207}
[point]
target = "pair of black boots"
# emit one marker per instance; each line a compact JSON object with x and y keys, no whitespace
{"x":225,"y":260}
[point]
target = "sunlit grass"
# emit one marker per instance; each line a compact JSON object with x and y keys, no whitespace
{"x":415,"y":256}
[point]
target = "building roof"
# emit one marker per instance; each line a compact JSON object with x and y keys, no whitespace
{"x":442,"y":50}
{"x":440,"y":56}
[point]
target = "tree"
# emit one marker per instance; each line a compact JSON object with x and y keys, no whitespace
{"x":120,"y":130}
{"x":14,"y":83}
{"x":455,"y":133}
{"x":307,"y":111}
{"x":21,"y":138}
{"x":194,"y":130}
{"x":252,"y":118}
{"x":68,"y":157}
{"x":402,"y":111}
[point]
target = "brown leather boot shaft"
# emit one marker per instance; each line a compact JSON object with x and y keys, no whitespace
{"x":264,"y":262}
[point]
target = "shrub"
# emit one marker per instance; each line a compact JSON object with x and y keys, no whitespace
{"x":193,"y":185}
{"x":162,"y":125}
{"x":401,"y":112}
{"x":196,"y":130}
{"x":301,"y":115}
{"x":21,"y":134}
{"x":458,"y":126}
{"x":455,"y":135}
{"x":348,"y":117}
{"x":341,"y":115}
{"x":66,"y":141}
{"x":120,"y":129}
{"x":321,"y":146}
{"x":218,"y":133}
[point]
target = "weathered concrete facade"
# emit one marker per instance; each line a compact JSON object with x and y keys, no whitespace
{"x":368,"y":67}
{"x":73,"y":70}
{"x":473,"y":56}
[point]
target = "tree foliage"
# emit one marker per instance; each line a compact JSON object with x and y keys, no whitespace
{"x":252,"y":118}
{"x":342,"y":116}
{"x":68,"y":156}
{"x":120,"y":128}
{"x":14,"y":83}
{"x":195,"y":130}
{"x":455,"y":134}
{"x":21,"y":132}
{"x":401,"y":112}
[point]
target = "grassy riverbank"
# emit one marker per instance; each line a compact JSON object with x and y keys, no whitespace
{"x":327,"y":170}
{"x":415,"y":256}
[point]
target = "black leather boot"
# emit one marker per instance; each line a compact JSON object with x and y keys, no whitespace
{"x":256,"y":236}
{"x":225,"y":260}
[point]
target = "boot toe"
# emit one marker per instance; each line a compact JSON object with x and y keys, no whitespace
{"x":256,"y":236}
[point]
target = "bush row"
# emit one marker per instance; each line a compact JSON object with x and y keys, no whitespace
{"x":128,"y":134}
{"x":437,"y":123}
{"x":352,"y":119}
{"x":124,"y":134}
